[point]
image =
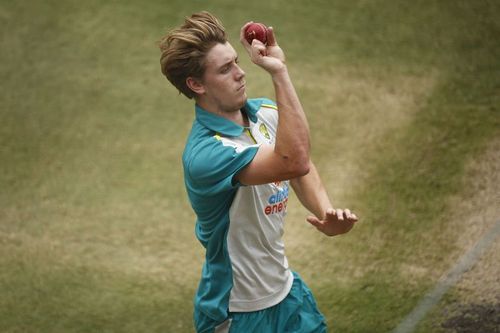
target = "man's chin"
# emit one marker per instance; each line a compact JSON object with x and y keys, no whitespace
{"x":243,"y":102}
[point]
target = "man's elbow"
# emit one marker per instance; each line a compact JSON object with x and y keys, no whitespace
{"x":296,"y":164}
{"x":305,"y":167}
{"x":300,"y":168}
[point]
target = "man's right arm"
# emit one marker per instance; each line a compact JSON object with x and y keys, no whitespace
{"x":289,"y":157}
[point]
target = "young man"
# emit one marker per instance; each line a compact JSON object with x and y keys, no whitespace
{"x":239,"y":160}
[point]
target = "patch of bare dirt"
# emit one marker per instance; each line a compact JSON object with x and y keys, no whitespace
{"x":474,"y":318}
{"x":476,"y":298}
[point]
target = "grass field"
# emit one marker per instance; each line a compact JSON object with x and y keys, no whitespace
{"x":96,"y":234}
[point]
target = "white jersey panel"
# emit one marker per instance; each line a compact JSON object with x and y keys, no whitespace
{"x":261,"y":276}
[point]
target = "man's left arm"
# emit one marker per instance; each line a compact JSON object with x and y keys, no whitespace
{"x":313,"y":196}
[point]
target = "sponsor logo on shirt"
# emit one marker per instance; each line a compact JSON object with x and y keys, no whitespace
{"x":278,"y":201}
{"x":264,"y":132}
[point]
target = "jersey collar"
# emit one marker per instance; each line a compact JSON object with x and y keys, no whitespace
{"x":224,"y":126}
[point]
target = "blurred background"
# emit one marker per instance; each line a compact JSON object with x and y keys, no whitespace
{"x":97,"y":235}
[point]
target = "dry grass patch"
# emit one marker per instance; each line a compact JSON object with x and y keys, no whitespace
{"x":473,"y":216}
{"x":351,"y":112}
{"x":475,"y":299}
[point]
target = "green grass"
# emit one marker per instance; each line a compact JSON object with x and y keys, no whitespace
{"x":96,"y":234}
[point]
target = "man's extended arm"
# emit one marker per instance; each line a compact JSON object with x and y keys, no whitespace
{"x":313,"y":196}
{"x":289,"y":157}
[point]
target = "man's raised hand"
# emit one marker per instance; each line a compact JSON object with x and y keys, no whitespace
{"x":270,"y":57}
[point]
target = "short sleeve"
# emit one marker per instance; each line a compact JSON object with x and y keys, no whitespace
{"x":212,"y":167}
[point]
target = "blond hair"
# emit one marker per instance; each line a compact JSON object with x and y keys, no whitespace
{"x":184,"y":50}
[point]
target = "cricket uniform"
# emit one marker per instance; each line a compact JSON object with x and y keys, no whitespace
{"x":246,"y":271}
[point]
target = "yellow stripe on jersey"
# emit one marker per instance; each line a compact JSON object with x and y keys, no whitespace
{"x":270,"y":106}
{"x":249,"y":134}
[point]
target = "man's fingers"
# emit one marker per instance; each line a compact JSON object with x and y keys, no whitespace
{"x":271,"y":39}
{"x":257,"y":50}
{"x":259,"y":46}
{"x":350,"y":216}
{"x":330,"y":212}
{"x":314,"y":221}
{"x":243,"y":40}
{"x":340,"y":214}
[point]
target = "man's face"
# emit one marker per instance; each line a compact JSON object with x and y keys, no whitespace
{"x":224,"y":80}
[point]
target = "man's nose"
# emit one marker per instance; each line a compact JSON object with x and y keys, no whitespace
{"x":240,"y":73}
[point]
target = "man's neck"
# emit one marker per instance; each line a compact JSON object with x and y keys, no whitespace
{"x":237,"y":116}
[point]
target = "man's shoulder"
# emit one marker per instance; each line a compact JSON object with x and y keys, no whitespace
{"x":266,"y":111}
{"x":200,"y":140}
{"x":208,"y":150}
{"x":262,"y":103}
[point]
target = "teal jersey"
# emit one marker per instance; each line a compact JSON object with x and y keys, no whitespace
{"x":241,"y":227}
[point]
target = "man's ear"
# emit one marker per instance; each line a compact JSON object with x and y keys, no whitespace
{"x":195,"y":85}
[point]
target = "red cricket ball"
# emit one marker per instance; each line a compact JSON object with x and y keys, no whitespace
{"x":256,"y":31}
